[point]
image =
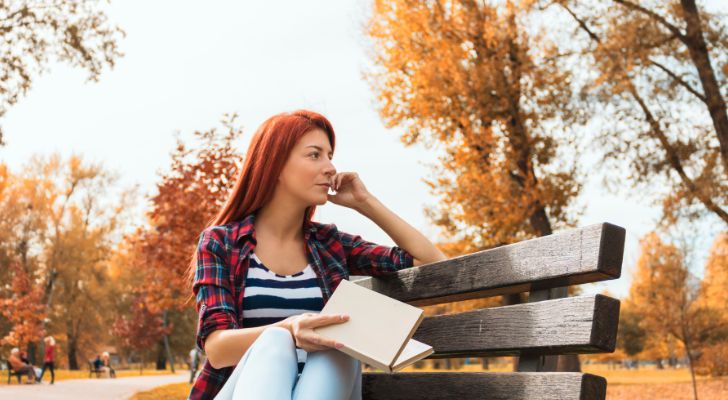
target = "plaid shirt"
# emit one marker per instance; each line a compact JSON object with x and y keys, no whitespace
{"x":222,"y":264}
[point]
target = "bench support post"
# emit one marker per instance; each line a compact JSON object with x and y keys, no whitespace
{"x":527,"y":363}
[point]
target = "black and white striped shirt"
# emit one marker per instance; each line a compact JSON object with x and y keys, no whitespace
{"x":270,"y":297}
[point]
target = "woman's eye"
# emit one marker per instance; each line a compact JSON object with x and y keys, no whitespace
{"x":317,"y":155}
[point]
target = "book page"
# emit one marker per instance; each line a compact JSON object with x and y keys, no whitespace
{"x":414,"y":351}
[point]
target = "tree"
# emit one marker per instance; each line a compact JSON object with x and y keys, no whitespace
{"x":187,"y":197}
{"x":658,"y":77}
{"x":714,"y":295}
{"x":140,"y":329}
{"x":23,"y":310}
{"x":32,"y":33}
{"x":631,"y":337}
{"x":466,"y":75}
{"x":59,"y":223}
{"x":665,"y":295}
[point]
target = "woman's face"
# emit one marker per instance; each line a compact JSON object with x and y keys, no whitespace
{"x":308,"y":171}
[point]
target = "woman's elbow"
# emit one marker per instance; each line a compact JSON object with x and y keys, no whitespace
{"x":439,"y":256}
{"x":211,"y":351}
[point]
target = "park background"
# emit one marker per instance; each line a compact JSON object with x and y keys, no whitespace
{"x":123,"y":125}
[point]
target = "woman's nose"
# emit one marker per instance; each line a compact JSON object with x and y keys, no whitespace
{"x":330,"y":170}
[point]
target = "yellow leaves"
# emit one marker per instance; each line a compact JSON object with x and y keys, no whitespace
{"x":715,"y":283}
{"x":458,"y":73}
{"x":663,"y":295}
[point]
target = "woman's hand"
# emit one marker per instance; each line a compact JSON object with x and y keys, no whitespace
{"x":301,"y":327}
{"x":350,"y":190}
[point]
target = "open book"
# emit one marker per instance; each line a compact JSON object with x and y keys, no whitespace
{"x":379,"y":330}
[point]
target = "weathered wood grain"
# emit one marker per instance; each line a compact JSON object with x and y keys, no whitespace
{"x":573,"y":325}
{"x":483,"y":385}
{"x":589,"y":254}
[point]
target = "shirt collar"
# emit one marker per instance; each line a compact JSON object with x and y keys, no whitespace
{"x":246,"y":229}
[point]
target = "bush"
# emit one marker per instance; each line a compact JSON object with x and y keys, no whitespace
{"x":714,"y":360}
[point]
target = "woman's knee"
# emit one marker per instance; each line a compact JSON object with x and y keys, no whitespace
{"x":277,"y":341}
{"x":335,"y":358}
{"x":276,"y":334}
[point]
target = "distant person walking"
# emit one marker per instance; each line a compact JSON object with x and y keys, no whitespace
{"x":49,"y":358}
{"x":194,"y":363}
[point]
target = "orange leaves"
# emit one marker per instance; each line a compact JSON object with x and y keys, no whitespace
{"x":463,"y":74}
{"x":141,"y":328}
{"x":715,"y":283}
{"x":188,"y":196}
{"x":24,"y":309}
{"x":668,"y":304}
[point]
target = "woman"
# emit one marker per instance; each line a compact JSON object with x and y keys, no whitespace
{"x":21,"y":366}
{"x":263,"y":269}
{"x":49,"y":358}
{"x":106,"y":365}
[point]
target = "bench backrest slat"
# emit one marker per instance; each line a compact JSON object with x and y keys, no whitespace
{"x":589,"y":254}
{"x":582,"y":324}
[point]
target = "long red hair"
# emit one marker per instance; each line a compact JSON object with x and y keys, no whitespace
{"x":267,"y":153}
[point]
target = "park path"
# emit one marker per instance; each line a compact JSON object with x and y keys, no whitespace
{"x":111,"y":389}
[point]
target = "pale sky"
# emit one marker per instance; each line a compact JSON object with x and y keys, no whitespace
{"x":188,"y":62}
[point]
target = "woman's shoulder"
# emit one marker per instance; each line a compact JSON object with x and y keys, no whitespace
{"x":223,"y":233}
{"x":324,"y":232}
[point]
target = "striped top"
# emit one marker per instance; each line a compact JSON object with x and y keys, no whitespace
{"x":270,"y":297}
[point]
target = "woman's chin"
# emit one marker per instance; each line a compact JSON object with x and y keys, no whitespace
{"x":321,"y":200}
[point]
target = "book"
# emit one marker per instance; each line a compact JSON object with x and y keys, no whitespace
{"x":379,"y":330}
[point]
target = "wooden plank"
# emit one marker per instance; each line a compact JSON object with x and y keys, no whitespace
{"x":572,"y":325}
{"x":483,"y":385}
{"x":540,"y":363}
{"x":575,"y":256}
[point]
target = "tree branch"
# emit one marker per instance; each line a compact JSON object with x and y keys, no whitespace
{"x":674,"y":159}
{"x":672,"y":156}
{"x":636,"y":7}
{"x":680,"y":81}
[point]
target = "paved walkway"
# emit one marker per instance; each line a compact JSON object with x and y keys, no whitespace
{"x":112,"y":389}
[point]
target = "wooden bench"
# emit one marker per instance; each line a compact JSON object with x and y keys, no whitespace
{"x":12,"y":372}
{"x":548,"y":324}
{"x":93,"y":370}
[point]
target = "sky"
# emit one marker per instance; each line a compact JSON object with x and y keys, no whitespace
{"x":187,"y":63}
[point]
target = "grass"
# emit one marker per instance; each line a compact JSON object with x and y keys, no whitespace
{"x":166,"y":392}
{"x":642,"y":376}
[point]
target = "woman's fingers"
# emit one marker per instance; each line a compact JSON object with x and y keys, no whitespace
{"x":314,"y":320}
{"x":320,"y":341}
{"x":328,"y":319}
{"x":337,"y":181}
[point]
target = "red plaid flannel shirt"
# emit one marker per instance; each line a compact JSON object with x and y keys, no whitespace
{"x":222,"y":264}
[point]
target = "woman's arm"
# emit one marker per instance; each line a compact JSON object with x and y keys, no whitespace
{"x":225,"y":347}
{"x":403,"y":234}
{"x":351,"y":192}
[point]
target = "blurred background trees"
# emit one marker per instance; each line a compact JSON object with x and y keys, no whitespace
{"x":527,"y":101}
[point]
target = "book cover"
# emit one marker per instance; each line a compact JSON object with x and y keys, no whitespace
{"x":379,"y":330}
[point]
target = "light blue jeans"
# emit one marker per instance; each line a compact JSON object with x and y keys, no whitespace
{"x":269,"y":371}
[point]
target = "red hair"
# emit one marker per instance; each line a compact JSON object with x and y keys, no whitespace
{"x":267,"y":153}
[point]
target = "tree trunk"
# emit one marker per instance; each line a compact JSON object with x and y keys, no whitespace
{"x":698,"y":49}
{"x":161,"y":357}
{"x":31,"y":353}
{"x":170,"y":357}
{"x":72,"y":348}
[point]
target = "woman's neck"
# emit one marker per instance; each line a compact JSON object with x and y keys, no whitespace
{"x":279,"y":223}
